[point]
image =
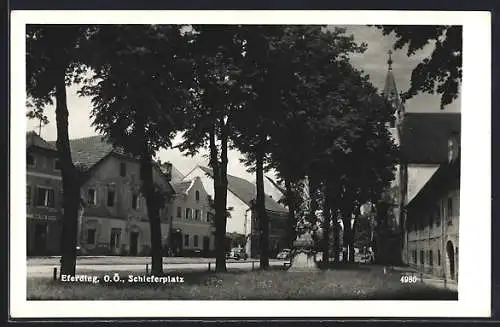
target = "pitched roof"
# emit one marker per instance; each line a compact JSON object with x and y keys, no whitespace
{"x":34,"y":140}
{"x":176,"y":175}
{"x":424,"y":136}
{"x":88,"y":151}
{"x":181,"y":187}
{"x":447,"y":175}
{"x":246,"y":191}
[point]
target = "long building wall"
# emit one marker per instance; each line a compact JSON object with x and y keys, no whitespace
{"x":433,"y":248}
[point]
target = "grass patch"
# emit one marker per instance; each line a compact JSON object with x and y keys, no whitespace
{"x":349,"y":283}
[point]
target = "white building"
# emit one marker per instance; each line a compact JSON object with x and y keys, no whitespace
{"x":243,"y":221}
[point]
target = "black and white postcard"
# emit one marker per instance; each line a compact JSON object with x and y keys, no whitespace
{"x":299,"y":163}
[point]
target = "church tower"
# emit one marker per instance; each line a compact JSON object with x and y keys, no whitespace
{"x":391,"y":94}
{"x":398,"y":185}
{"x":398,"y":188}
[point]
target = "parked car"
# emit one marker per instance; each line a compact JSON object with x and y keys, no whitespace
{"x":237,"y":253}
{"x":284,"y":254}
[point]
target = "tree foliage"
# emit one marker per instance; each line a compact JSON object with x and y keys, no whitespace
{"x":53,"y":61}
{"x":139,"y":90}
{"x":441,"y":72}
{"x":215,"y":96}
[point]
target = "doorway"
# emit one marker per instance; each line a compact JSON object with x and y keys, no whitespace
{"x":40,"y":238}
{"x":206,"y":246}
{"x":134,"y":238}
{"x":451,"y":258}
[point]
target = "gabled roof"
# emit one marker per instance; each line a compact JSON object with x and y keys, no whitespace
{"x":246,"y":191}
{"x":182,"y":187}
{"x":424,"y":136}
{"x":34,"y":140}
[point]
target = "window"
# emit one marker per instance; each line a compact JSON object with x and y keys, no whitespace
{"x":450,"y":210}
{"x":57,"y":164}
{"x":189,"y":214}
{"x":186,"y":240}
{"x":30,"y":160}
{"x":431,"y":258}
{"x":439,"y":258}
{"x":91,"y":236}
{"x":92,"y":196}
{"x":197,"y":214}
{"x":415,"y":256}
{"x":197,"y":196}
{"x":195,"y":240}
{"x":179,"y":212}
{"x":208,"y":217}
{"x":123,"y":169}
{"x":45,"y":197}
{"x":111,"y":198}
{"x":28,"y":195}
{"x":135,"y":201}
{"x":114,"y":240}
{"x":422,"y":257}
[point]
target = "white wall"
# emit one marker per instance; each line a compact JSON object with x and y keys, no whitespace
{"x":235,"y":224}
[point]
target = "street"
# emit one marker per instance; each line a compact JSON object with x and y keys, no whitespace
{"x":43,"y":267}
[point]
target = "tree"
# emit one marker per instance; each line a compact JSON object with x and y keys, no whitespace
{"x":139,"y":92}
{"x":311,"y":58}
{"x":352,"y":147}
{"x":441,"y":72}
{"x":54,"y":61}
{"x":215,"y":97}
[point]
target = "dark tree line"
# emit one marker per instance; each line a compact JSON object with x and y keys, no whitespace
{"x":286,"y":97}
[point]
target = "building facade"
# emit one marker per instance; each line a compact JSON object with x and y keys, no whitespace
{"x":113,"y":216}
{"x":423,"y":140}
{"x":192,"y":222}
{"x":114,"y":219}
{"x":433,"y":224}
{"x":242,"y":223}
{"x":425,"y":194}
{"x":43,"y":197}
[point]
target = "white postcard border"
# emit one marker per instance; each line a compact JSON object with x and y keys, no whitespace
{"x":475,"y":198}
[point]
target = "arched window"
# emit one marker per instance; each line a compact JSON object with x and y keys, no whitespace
{"x":197,"y":195}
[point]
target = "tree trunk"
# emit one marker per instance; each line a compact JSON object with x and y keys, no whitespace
{"x":351,"y":242}
{"x":327,"y":218}
{"x":152,"y":199}
{"x":261,"y":211}
{"x":220,"y":188}
{"x":70,"y":180}
{"x":153,"y":214}
{"x":346,"y":220}
{"x":290,"y":235}
{"x":336,"y":238}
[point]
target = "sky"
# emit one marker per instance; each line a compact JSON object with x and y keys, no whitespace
{"x":373,"y":62}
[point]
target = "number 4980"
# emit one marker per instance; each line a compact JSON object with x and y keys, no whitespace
{"x":408,"y":279}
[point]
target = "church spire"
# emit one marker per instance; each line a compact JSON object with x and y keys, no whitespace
{"x":390,"y":89}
